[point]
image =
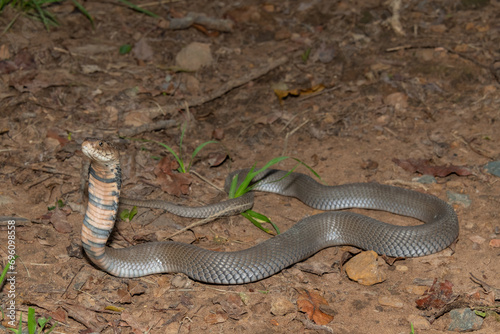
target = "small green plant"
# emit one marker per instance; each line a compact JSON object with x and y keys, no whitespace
{"x":412,"y":330}
{"x":305,"y":55}
{"x":236,"y":191}
{"x":36,"y":9}
{"x":32,"y":321}
{"x":128,"y":215}
{"x":59,"y":204}
{"x":178,"y":157}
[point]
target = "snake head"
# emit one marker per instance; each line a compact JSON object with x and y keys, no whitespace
{"x":100,"y":151}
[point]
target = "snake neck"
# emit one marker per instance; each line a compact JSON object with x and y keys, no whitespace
{"x":104,"y":192}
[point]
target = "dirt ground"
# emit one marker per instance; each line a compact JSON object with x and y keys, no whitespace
{"x":345,"y":86}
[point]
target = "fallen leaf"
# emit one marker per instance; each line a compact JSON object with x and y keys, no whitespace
{"x":437,"y":296}
{"x":169,"y":179}
{"x":216,"y":159}
{"x":282,"y":94}
{"x":60,"y":223}
{"x":310,"y":303}
{"x":423,"y":167}
{"x":54,"y":135}
{"x":216,"y":318}
{"x":142,"y":50}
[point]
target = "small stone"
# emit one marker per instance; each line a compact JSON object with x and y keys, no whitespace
{"x":426,"y":179}
{"x":439,"y":28}
{"x":365,"y":268}
{"x":416,"y":289}
{"x":477,"y":239}
{"x":398,"y":100}
{"x":194,"y":56}
{"x":282,"y":306}
{"x":390,"y":301}
{"x":401,"y":268}
{"x":418,"y":322}
{"x":493,"y":167}
{"x":464,"y":320}
{"x":495,"y":243}
{"x":456,"y":198}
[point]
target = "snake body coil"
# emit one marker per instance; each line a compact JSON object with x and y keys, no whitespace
{"x":305,"y":238}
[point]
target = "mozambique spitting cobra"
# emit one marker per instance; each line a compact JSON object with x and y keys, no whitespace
{"x":305,"y":238}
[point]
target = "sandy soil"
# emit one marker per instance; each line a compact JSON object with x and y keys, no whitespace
{"x":365,"y":95}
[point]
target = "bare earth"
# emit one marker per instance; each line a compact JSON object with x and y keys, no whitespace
{"x":365,"y":94}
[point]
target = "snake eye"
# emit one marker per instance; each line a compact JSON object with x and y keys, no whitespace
{"x":100,"y":143}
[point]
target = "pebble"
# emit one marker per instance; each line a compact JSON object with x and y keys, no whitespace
{"x":418,"y":322}
{"x":495,"y":243}
{"x":390,"y":301}
{"x":401,"y":268}
{"x":426,"y":179}
{"x":365,"y":268}
{"x":477,"y":239}
{"x":416,"y":289}
{"x":493,"y":167}
{"x":194,"y":56}
{"x":398,"y":100}
{"x":464,"y":320}
{"x":456,"y":198}
{"x":282,"y":306}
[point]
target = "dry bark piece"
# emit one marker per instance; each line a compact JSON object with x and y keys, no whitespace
{"x":311,"y":303}
{"x":437,"y":296}
{"x":424,"y":167}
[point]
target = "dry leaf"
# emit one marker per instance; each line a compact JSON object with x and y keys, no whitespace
{"x":216,"y":318}
{"x":60,"y":223}
{"x":281,"y":94}
{"x":169,"y":179}
{"x":437,"y":296}
{"x":310,"y":303}
{"x":423,"y":167}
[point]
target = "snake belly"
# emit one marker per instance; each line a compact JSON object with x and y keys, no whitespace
{"x":305,"y":238}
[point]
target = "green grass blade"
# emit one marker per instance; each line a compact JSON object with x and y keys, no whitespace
{"x":31,"y":321}
{"x":243,"y":188}
{"x":19,"y":330}
{"x":308,"y":167}
{"x":270,"y":163}
{"x":255,"y":222}
{"x":5,"y":270}
{"x":232,"y":189}
{"x":51,"y":328}
{"x":139,"y":9}
{"x":183,"y":132}
{"x":84,"y":11}
{"x":179,"y":160}
{"x":263,"y":218}
{"x":198,"y":149}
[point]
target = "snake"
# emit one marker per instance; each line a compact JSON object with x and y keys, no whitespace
{"x":308,"y":236}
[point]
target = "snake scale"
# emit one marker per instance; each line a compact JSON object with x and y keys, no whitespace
{"x":305,"y":238}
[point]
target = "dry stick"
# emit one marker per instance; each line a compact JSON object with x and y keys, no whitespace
{"x":160,"y":125}
{"x":290,"y":134}
{"x":206,"y":180}
{"x":208,"y":219}
{"x":224,"y":89}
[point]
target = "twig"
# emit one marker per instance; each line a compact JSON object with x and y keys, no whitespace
{"x":206,"y":180}
{"x":208,"y":219}
{"x":291,"y":133}
{"x":192,"y":18}
{"x":488,"y":288}
{"x":163,"y":124}
{"x":394,"y":19}
{"x":224,"y":89}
